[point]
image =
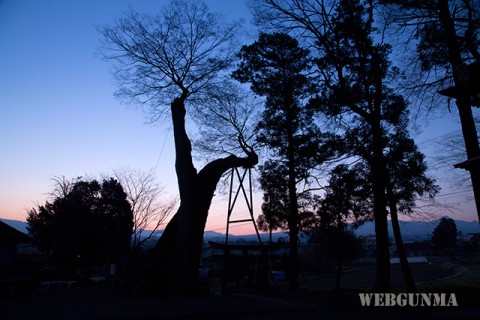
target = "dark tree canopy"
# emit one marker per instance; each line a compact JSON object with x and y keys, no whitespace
{"x":445,"y":234}
{"x":407,"y":171}
{"x":273,"y":60}
{"x":343,"y":202}
{"x":346,"y":197}
{"x":356,"y":92}
{"x":276,"y":204}
{"x":89,"y":225}
{"x":277,"y":68}
{"x":355,"y":78}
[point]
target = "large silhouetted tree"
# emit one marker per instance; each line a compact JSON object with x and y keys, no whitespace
{"x":406,"y":179}
{"x":343,"y":202}
{"x":178,"y":57}
{"x":444,"y":236}
{"x":431,"y":29}
{"x":116,"y":221}
{"x":407,"y":182}
{"x":86,"y":224}
{"x":354,"y":70}
{"x":277,"y":68}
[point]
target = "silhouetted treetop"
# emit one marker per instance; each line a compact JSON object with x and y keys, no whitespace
{"x":445,"y":234}
{"x":180,"y":50}
{"x":90,"y":224}
{"x":433,"y":37}
{"x":277,"y":69}
{"x":272,"y":60}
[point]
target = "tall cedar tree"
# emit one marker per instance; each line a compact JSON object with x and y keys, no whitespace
{"x":406,"y":179}
{"x":177,"y":56}
{"x":359,"y":67}
{"x":353,"y":68}
{"x":276,"y":68}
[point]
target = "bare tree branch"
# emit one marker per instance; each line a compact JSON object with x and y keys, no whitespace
{"x":144,"y":194}
{"x":181,"y":49}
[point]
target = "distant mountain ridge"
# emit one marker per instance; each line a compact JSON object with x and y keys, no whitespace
{"x":419,"y":230}
{"x":220,"y":237}
{"x":411,"y":231}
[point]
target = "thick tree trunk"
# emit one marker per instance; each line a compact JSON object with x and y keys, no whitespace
{"x":293,"y":205}
{"x":378,"y":171}
{"x":402,"y":253}
{"x":293,"y":231}
{"x":177,"y":253}
{"x":464,"y":108}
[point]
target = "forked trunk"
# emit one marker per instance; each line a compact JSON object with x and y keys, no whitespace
{"x":177,"y":254}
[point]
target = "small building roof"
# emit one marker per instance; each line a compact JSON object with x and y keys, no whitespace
{"x":470,"y":163}
{"x":8,"y":233}
{"x":467,"y":86}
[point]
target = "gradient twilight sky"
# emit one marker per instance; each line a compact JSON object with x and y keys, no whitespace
{"x":58,"y":116}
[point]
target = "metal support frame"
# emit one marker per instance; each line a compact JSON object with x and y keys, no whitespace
{"x":233,"y":197}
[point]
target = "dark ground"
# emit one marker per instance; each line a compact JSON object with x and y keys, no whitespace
{"x":316,"y":300}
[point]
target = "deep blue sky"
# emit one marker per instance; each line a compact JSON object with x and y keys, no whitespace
{"x":58,"y":116}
